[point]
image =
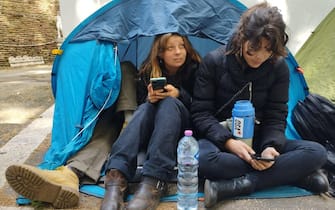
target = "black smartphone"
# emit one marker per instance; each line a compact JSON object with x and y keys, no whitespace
{"x":259,"y":157}
{"x":158,"y":83}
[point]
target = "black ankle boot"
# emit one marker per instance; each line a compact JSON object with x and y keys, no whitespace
{"x":216,"y":191}
{"x":317,"y":182}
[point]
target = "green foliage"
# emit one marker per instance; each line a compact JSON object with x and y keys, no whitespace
{"x":317,"y":58}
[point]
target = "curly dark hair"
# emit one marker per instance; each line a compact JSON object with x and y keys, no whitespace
{"x":261,"y":21}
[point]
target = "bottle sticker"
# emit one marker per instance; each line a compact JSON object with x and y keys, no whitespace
{"x":238,"y":127}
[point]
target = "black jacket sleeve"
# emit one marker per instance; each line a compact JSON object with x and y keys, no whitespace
{"x":275,"y":111}
{"x":204,"y":101}
{"x":185,"y":97}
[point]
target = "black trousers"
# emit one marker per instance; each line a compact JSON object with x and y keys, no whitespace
{"x":298,"y":159}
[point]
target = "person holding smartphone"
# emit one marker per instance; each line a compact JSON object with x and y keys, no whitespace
{"x":164,"y":94}
{"x":254,"y":54}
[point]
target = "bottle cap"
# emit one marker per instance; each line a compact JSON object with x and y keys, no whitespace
{"x":243,"y":108}
{"x":188,"y":133}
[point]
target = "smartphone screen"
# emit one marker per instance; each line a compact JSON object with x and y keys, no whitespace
{"x":158,"y":83}
{"x":259,"y":157}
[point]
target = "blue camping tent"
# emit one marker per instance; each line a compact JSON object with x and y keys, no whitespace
{"x":86,"y":77}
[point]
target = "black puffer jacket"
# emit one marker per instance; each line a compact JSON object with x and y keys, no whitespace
{"x":183,"y":80}
{"x":220,"y":77}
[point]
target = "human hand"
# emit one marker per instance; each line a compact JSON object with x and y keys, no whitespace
{"x":239,"y":148}
{"x":156,"y":95}
{"x":152,"y":94}
{"x":171,"y":91}
{"x":260,"y":165}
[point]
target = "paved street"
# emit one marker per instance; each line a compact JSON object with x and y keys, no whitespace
{"x":26,"y":109}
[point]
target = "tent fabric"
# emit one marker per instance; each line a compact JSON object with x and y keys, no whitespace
{"x":86,"y":77}
{"x":298,"y":90}
{"x":132,"y":18}
{"x":124,"y":30}
{"x":121,"y":31}
{"x":86,"y":88}
{"x":316,"y":57}
{"x":127,"y":22}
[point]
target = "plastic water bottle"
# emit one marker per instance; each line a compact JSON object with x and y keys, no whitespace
{"x":187,"y":184}
{"x":243,"y":121}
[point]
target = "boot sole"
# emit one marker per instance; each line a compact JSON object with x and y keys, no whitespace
{"x":31,"y":185}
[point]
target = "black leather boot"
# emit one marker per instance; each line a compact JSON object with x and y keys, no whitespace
{"x":115,"y":187}
{"x":148,"y":194}
{"x":216,"y":191}
{"x":317,"y":182}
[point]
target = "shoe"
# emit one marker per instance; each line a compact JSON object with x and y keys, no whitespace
{"x":60,"y":187}
{"x":216,"y":191}
{"x":148,"y":195}
{"x":317,"y":182}
{"x":115,"y":187}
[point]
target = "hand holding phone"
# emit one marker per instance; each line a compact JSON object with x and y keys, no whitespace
{"x":158,"y":83}
{"x":259,"y":157}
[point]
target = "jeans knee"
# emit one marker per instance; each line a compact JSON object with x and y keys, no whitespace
{"x":144,"y":110}
{"x":146,"y":107}
{"x":170,"y":101}
{"x":322,"y":152}
{"x":173,"y":106}
{"x":207,"y":153}
{"x":317,"y":151}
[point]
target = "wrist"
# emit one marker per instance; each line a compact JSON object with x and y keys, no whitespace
{"x":228,"y":143}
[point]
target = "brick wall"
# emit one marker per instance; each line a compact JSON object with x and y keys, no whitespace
{"x":27,"y":29}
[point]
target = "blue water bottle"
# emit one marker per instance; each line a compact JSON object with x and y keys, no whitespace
{"x":187,"y":179}
{"x":243,"y":115}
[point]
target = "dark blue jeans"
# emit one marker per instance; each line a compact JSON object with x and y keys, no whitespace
{"x":156,"y":128}
{"x":298,"y":159}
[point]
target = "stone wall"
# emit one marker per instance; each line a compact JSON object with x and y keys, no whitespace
{"x":28,"y":31}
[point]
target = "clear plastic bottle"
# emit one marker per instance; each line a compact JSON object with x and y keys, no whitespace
{"x":187,"y":184}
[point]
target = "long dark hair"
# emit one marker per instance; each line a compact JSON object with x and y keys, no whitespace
{"x":261,"y":21}
{"x":151,"y":63}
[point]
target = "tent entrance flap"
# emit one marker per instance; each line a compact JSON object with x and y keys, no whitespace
{"x":87,"y":82}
